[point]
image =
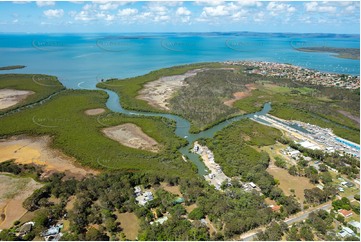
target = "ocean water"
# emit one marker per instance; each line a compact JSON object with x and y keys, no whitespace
{"x":82,"y":60}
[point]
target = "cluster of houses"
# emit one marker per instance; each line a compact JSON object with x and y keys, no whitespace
{"x":299,"y":74}
{"x":53,"y":233}
{"x":142,"y":196}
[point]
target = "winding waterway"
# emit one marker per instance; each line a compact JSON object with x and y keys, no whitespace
{"x":182,"y":126}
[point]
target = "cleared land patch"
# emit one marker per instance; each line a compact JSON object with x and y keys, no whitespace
{"x":132,"y":136}
{"x":95,"y":111}
{"x":14,"y":191}
{"x":172,"y":189}
{"x":288,"y":182}
{"x":157,"y":93}
{"x":130,"y":224}
{"x":27,"y":150}
{"x":240,"y":95}
{"x":11,"y":97}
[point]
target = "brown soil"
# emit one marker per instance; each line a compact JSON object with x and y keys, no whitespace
{"x":95,"y":111}
{"x":14,"y":191}
{"x":240,"y":95}
{"x":36,"y":150}
{"x":11,"y":97}
{"x":190,"y":208}
{"x":132,"y":136}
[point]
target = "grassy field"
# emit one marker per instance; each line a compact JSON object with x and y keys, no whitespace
{"x":80,"y":136}
{"x":42,"y":85}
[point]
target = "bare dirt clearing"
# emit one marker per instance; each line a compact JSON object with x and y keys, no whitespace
{"x":130,"y":224}
{"x":158,"y":92}
{"x":11,"y":97}
{"x":132,"y":136}
{"x":95,"y":111}
{"x":36,"y":150}
{"x":172,"y":189}
{"x":240,"y":95}
{"x":14,"y":191}
{"x":288,"y":182}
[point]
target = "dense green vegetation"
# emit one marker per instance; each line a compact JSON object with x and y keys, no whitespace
{"x":232,"y":148}
{"x":98,"y":200}
{"x":201,"y":101}
{"x":80,"y":136}
{"x":4,"y":68}
{"x":128,"y":88}
{"x":42,"y":85}
{"x":316,"y":105}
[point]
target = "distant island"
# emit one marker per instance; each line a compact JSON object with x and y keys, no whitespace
{"x":4,"y":68}
{"x":346,"y":53}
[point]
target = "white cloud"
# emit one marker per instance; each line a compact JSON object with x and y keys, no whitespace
{"x":215,"y":11}
{"x":327,"y":9}
{"x":277,"y":8}
{"x":109,"y":6}
{"x":54,"y":13}
{"x":44,"y":3}
{"x":316,"y":7}
{"x":239,"y":15}
{"x":182,"y":11}
{"x":21,"y":2}
{"x":259,"y":17}
{"x":127,"y":12}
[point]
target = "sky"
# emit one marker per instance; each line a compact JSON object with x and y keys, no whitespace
{"x":176,"y":16}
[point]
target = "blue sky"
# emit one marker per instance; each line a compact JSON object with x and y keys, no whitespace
{"x":176,"y":16}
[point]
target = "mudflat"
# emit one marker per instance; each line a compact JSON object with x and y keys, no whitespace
{"x":11,"y":97}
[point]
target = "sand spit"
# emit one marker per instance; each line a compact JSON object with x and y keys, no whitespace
{"x":158,"y":92}
{"x":11,"y":97}
{"x":132,"y":136}
{"x":36,"y":150}
{"x":95,"y":111}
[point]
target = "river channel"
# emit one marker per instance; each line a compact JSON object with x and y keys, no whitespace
{"x":182,"y":126}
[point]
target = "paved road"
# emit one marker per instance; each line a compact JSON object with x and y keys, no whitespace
{"x":251,"y":235}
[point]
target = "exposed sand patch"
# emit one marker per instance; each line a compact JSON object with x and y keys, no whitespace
{"x":190,"y":208}
{"x":288,"y":182}
{"x":240,"y":95}
{"x":14,"y":191}
{"x":172,"y":189}
{"x":132,"y":136}
{"x":158,"y":92}
{"x":95,"y":111}
{"x":350,"y":116}
{"x":11,"y":97}
{"x":29,"y":150}
{"x":130,"y":224}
